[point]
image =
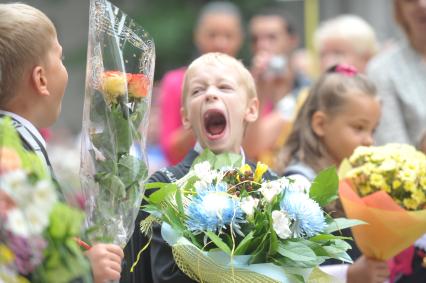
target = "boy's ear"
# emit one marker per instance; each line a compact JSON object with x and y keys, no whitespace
{"x":252,"y":111}
{"x":39,"y":80}
{"x":318,"y":123}
{"x":185,"y":121}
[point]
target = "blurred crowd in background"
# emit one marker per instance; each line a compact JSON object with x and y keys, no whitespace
{"x":293,"y":40}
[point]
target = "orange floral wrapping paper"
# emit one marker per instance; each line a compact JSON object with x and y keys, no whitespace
{"x":390,"y":228}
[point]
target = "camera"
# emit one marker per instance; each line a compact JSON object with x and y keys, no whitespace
{"x":277,"y":65}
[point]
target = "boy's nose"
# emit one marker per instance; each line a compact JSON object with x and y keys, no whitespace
{"x":211,"y":94}
{"x":368,"y":140}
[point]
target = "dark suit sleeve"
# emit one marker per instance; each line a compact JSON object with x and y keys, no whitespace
{"x":142,"y":271}
{"x":163,"y":265}
{"x":156,"y":263}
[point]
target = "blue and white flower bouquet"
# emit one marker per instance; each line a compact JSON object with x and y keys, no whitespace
{"x":226,"y":223}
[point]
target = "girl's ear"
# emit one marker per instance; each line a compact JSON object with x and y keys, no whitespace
{"x":185,"y":119}
{"x":252,"y":111}
{"x":318,"y":122}
{"x":39,"y":80}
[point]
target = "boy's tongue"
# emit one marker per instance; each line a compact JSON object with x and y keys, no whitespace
{"x":214,"y":123}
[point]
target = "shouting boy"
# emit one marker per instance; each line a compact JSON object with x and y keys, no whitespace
{"x":219,"y":101}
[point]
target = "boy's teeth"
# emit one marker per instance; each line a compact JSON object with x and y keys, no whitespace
{"x":215,"y":122}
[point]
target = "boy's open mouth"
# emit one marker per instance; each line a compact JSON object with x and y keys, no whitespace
{"x":214,"y":123}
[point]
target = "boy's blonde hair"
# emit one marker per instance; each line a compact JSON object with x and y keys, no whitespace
{"x":352,"y":28}
{"x":26,"y":36}
{"x":215,"y":58}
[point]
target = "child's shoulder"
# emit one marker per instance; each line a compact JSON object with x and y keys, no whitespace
{"x":173,"y":173}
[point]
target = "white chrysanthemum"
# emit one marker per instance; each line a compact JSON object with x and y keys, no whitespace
{"x":360,"y":151}
{"x":248,"y":204}
{"x":16,"y":223}
{"x":300,"y":184}
{"x":15,"y":184}
{"x":44,"y":195}
{"x":284,"y":182}
{"x":407,"y":175}
{"x":37,"y":219}
{"x":270,"y":189}
{"x":204,"y":172}
{"x":388,"y":165}
{"x":281,"y":224}
{"x":200,"y":186}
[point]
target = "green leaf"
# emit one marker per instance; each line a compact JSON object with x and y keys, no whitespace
{"x":273,"y":239}
{"x":324,"y":187}
{"x":107,"y":166}
{"x":98,"y":108}
{"x":131,"y":170}
{"x":218,"y":242}
{"x":156,"y":185}
{"x":172,"y":218}
{"x":317,"y":248}
{"x":111,"y":183}
{"x":138,"y":115}
{"x":296,"y":251}
{"x":260,"y":253}
{"x":64,"y":221}
{"x":206,"y":155}
{"x":244,"y":244}
{"x":338,"y":254}
{"x":227,"y":159}
{"x":30,"y":161}
{"x":327,"y":237}
{"x":178,"y":197}
{"x":104,"y":141}
{"x":220,"y":160}
{"x":338,"y":224}
{"x":189,"y":186}
{"x":162,"y":194}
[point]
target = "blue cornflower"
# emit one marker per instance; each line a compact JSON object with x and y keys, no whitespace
{"x":305,"y":212}
{"x":212,"y":209}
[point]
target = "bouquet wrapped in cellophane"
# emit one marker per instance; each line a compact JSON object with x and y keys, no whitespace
{"x":385,"y":186}
{"x":37,"y":230}
{"x":119,"y":77}
{"x":226,"y":223}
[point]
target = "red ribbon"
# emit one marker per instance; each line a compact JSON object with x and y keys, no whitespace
{"x":346,"y":70}
{"x":82,"y":244}
{"x":401,"y":264}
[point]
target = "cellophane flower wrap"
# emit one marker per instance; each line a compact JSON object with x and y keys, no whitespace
{"x":120,"y":68}
{"x":37,"y":229}
{"x":226,"y":223}
{"x":385,"y":186}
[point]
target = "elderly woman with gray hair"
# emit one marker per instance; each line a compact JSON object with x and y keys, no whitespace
{"x":400,"y":76}
{"x":346,"y":39}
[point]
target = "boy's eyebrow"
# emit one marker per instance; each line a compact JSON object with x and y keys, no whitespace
{"x":361,"y":119}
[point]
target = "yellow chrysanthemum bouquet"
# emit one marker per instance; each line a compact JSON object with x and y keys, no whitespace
{"x":385,"y":186}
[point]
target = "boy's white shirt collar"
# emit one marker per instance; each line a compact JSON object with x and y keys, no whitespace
{"x":198,"y":148}
{"x":27,"y":124}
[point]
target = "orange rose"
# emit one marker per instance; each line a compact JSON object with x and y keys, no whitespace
{"x":138,"y":85}
{"x":9,"y":160}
